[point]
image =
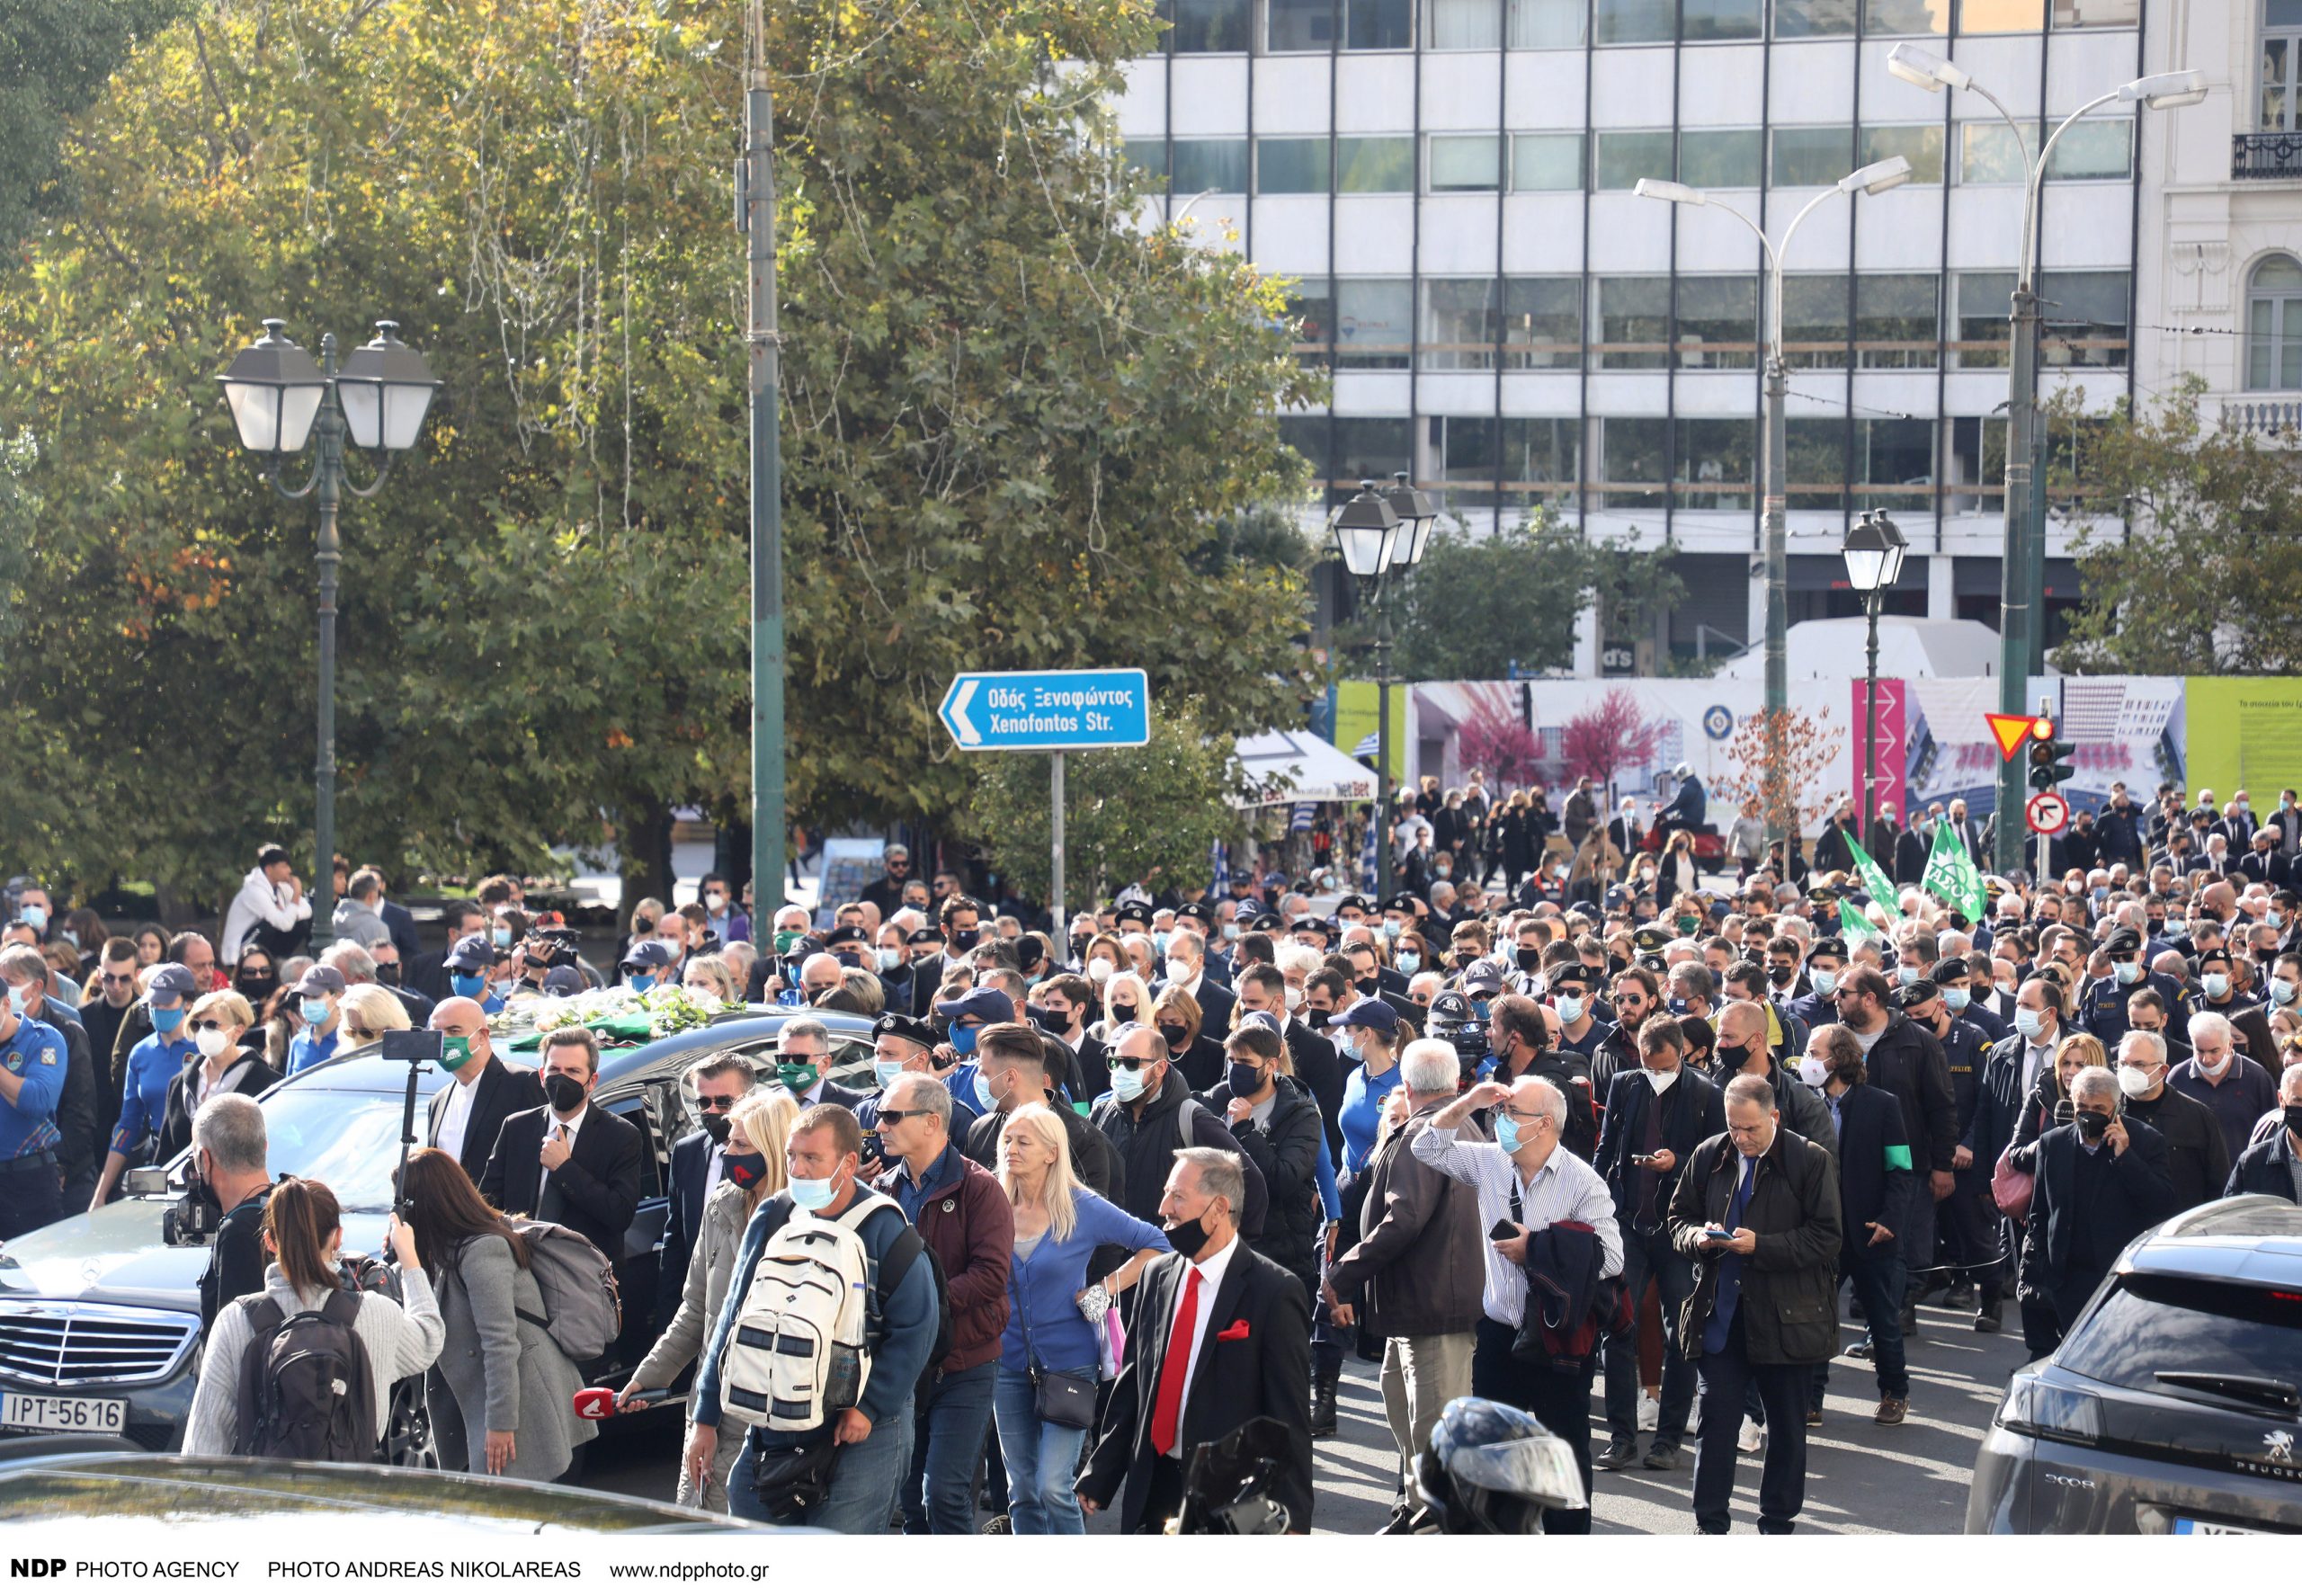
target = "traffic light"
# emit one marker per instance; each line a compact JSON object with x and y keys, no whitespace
{"x":2046,"y":770}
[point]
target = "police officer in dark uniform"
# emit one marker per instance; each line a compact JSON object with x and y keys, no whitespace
{"x":1966,"y":1222}
{"x":2102,"y":1010}
{"x":1956,"y":976}
{"x":33,"y":1069}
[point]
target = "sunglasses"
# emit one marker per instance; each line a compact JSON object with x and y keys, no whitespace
{"x":898,"y":1116}
{"x":129,"y":980}
{"x":721,"y":1103}
{"x":208,"y":1025}
{"x":799,"y":1058}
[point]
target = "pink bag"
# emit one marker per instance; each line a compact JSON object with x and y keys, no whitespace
{"x":2010,"y":1189}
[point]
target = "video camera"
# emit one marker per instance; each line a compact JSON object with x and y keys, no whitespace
{"x":1455,"y":1022}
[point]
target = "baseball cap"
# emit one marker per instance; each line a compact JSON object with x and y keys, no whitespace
{"x":1373,"y":1013}
{"x":981,"y":1006}
{"x":173,"y":980}
{"x":650,"y":955}
{"x":322,"y":980}
{"x":472,"y":953}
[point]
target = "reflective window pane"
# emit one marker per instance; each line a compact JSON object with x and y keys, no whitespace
{"x":1625,"y":157}
{"x":1465,"y":163}
{"x":1374,"y":324}
{"x":1464,"y":24}
{"x":1906,"y":16}
{"x":1374,"y":165}
{"x":1814,"y":319}
{"x":1715,"y":468}
{"x":1894,"y":463}
{"x":1547,"y":161}
{"x":1291,"y":165}
{"x":1634,"y":323}
{"x":2093,"y":150}
{"x":1203,"y":27}
{"x":1984,"y":299}
{"x":1149,"y":156}
{"x":1203,"y":165}
{"x":1896,"y":327}
{"x":1922,"y":146}
{"x":1700,"y":20}
{"x":2274,"y":325}
{"x":2084,"y":318}
{"x":1807,"y":19}
{"x":1542,"y":323}
{"x":2001,"y":17}
{"x":1815,"y":454}
{"x":1459,"y":324}
{"x":1633,"y":449}
{"x":1717,"y":327}
{"x":1633,"y":21}
{"x":1720,"y":157}
{"x":1370,"y":448}
{"x":1989,"y":151}
{"x":1812,"y":157}
{"x":1378,"y":24}
{"x":1546,"y":24}
{"x":1542,"y":460}
{"x":1310,"y":303}
{"x":2097,"y":13}
{"x":1298,"y":25}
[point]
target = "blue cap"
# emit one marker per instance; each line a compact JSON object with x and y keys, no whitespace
{"x":981,"y":1006}
{"x":473,"y":953}
{"x":1373,"y":1013}
{"x":650,"y":955}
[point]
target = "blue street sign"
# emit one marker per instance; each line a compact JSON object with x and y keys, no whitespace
{"x":1007,"y":711}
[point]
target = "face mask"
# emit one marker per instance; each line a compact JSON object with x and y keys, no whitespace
{"x":1294,"y":998}
{"x":501,"y":936}
{"x":1178,"y":972}
{"x":809,"y":1195}
{"x":1409,"y":961}
{"x":455,"y":1052}
{"x":212,"y":1044}
{"x":797,"y":1074}
{"x":2133,"y":1082}
{"x":20,"y":999}
{"x":2005,"y":988}
{"x":716,"y":1126}
{"x":2030,"y":1022}
{"x":1127,"y":1084}
{"x":1686,"y":925}
{"x":1188,"y":1238}
{"x":71,"y":937}
{"x":1368,"y":986}
{"x":965,"y":940}
{"x":1175,"y":1031}
{"x":716,"y":902}
{"x":2092,"y":1123}
{"x":2281,"y":991}
{"x":1122,"y":1012}
{"x":1814,"y":1072}
{"x":1957,"y":998}
{"x":564,"y":1093}
{"x":642,"y":982}
{"x":256,"y":988}
{"x":315,"y":1010}
{"x":1099,"y":971}
{"x":1570,"y":1010}
{"x":785,"y":941}
{"x":1905,"y":975}
{"x":1734,"y":1058}
{"x":2273,"y":919}
{"x":1159,"y":943}
{"x":2217,"y":985}
{"x":1661,"y":1081}
{"x":1351,"y":1050}
{"x":1781,"y":976}
{"x":470,"y":985}
{"x":34,"y":915}
{"x":1506,"y":1133}
{"x":963,"y":1039}
{"x":748,"y":1170}
{"x":1244,"y":1080}
{"x":2294,"y":1117}
{"x":1528,"y":959}
{"x":1677,"y":1006}
{"x":1826,"y":983}
{"x":2126,"y":975}
{"x":163,"y":1020}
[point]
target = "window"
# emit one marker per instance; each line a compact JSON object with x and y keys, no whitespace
{"x":1632,"y":450}
{"x":1374,"y":318}
{"x":1204,"y":164}
{"x":1976,"y":468}
{"x":1906,"y":16}
{"x":1463,"y":447}
{"x":1374,"y":165}
{"x":2275,"y":325}
{"x":1721,"y":157}
{"x":1894,"y":463}
{"x":2083,"y":318}
{"x":2097,"y":13}
{"x":1547,"y":161}
{"x":1626,"y":157}
{"x":2001,"y":17}
{"x":1988,"y":152}
{"x":1459,"y":324}
{"x":1633,"y":21}
{"x":2281,"y":65}
{"x":1370,"y":448}
{"x":1546,"y":24}
{"x":1465,"y":163}
{"x":1807,"y":19}
{"x":1306,"y":435}
{"x":1714,"y":465}
{"x":1542,"y":459}
{"x":1895,"y":327}
{"x":1922,"y":146}
{"x":1811,"y":158}
{"x":1634,"y":323}
{"x":1150,"y":155}
{"x":1464,"y":24}
{"x":1985,"y":301}
{"x":2149,"y":1323}
{"x":1292,"y":166}
{"x":2093,"y":151}
{"x":1298,"y":25}
{"x":1717,"y":327}
{"x":1814,"y":455}
{"x":1814,"y":320}
{"x":1205,"y":27}
{"x":1702,"y":20}
{"x":1311,"y":303}
{"x":1542,"y":324}
{"x":1378,"y":24}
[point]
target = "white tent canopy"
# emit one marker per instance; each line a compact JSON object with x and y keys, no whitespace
{"x":1909,"y":647}
{"x":1296,"y":767}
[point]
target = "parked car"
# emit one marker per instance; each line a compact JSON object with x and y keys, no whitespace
{"x":100,"y":1318}
{"x":2173,"y":1405}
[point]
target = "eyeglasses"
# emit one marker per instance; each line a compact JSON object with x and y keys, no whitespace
{"x":798,"y":1057}
{"x":129,"y":980}
{"x":898,"y":1116}
{"x":721,"y":1103}
{"x":208,"y":1025}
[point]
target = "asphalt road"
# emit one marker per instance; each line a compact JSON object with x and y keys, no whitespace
{"x":1861,"y":1478}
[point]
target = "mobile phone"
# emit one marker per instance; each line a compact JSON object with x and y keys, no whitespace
{"x":1502,"y":1232}
{"x":874,"y":1150}
{"x":1718,"y":1232}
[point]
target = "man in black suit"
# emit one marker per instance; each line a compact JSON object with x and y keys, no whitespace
{"x":399,"y":923}
{"x":2272,"y":1167}
{"x":429,"y":973}
{"x":961,"y":919}
{"x":802,"y":1054}
{"x":2101,"y":1181}
{"x":1218,"y":1335}
{"x":1187,"y":969}
{"x":466,"y":1113}
{"x":567,"y":1162}
{"x":719,"y":1082}
{"x":1876,"y":1187}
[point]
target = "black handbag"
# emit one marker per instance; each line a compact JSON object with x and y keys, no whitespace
{"x":1058,"y":1398}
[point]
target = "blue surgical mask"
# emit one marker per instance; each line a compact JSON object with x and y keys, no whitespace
{"x":2281,"y":991}
{"x":963,"y":1040}
{"x":34,"y":915}
{"x":2273,"y":919}
{"x":642,"y":982}
{"x":1570,"y":1010}
{"x":1826,"y":983}
{"x":1956,"y":998}
{"x":1159,"y":943}
{"x":1409,"y":961}
{"x":315,"y":1010}
{"x":2127,"y":974}
{"x":2175,"y":927}
{"x":809,"y":1195}
{"x":1506,"y":1133}
{"x":501,"y":936}
{"x":470,"y":985}
{"x":71,"y":937}
{"x":1127,"y":1084}
{"x":1906,"y":975}
{"x":20,"y":999}
{"x":887,"y":1071}
{"x":2030,"y":1022}
{"x":165,"y":1020}
{"x":1351,"y":1050}
{"x":2215,"y":985}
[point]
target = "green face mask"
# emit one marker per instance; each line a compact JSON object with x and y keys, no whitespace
{"x":797,"y":1074}
{"x":1687,"y":923}
{"x":455,"y":1052}
{"x":785,"y":941}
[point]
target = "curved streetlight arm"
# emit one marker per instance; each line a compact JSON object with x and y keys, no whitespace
{"x":1804,"y":212}
{"x":2036,"y":180}
{"x":330,"y":417}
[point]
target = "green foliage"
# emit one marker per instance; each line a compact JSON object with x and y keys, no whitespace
{"x":55,"y":57}
{"x":1476,"y":605}
{"x":1007,"y":416}
{"x":2204,"y":585}
{"x":1148,"y":814}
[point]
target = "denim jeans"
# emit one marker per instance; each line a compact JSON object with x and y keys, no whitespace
{"x":1877,"y":1275}
{"x":939,"y":1492}
{"x":1644,"y":1255}
{"x":862,"y":1496}
{"x":1042,"y":1460}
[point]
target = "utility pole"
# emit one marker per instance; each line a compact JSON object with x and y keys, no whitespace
{"x":2018,"y":581}
{"x":755,"y":196}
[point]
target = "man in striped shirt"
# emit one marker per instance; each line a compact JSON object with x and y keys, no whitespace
{"x":1526,"y":1182}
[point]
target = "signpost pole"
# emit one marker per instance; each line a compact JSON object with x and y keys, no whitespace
{"x":1054,"y":853}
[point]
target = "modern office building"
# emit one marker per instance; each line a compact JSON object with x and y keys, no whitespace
{"x":1451,"y":181}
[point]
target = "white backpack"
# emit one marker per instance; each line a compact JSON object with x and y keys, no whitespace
{"x":801,"y":1348}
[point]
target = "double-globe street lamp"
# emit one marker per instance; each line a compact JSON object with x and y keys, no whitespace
{"x":1876,"y":178}
{"x":1874,"y":554}
{"x":279,"y":399}
{"x":1376,"y":532}
{"x":2021,"y":631}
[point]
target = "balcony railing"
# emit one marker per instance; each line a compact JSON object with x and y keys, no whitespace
{"x":2278,"y":419}
{"x":2266,"y":155}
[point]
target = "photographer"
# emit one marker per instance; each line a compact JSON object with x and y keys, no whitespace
{"x":227,"y":1159}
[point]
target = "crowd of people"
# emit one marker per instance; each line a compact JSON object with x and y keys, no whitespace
{"x":1626,"y":1162}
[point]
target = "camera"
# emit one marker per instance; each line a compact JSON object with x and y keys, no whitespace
{"x":1454,"y":1022}
{"x":194,"y":1217}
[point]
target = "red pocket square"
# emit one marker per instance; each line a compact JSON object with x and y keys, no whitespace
{"x":1238,"y":1331}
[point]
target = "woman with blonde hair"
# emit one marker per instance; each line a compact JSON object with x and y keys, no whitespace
{"x":366,"y":1011}
{"x":1199,"y":1059}
{"x":1126,"y":1001}
{"x":754,"y":1162}
{"x":709,"y":973}
{"x":220,"y":1023}
{"x":1052,"y":1311}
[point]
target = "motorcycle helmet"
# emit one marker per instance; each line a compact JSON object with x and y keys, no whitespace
{"x":1492,"y":1469}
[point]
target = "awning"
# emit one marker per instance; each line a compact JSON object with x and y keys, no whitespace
{"x":1296,"y":767}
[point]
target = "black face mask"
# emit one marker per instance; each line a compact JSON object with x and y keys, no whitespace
{"x":1122,"y":1012}
{"x":1368,"y":985}
{"x":2092,"y":1123}
{"x":1734,"y":1058}
{"x":2294,"y":1117}
{"x":564,"y":1093}
{"x":1188,"y":1238}
{"x":387,"y":974}
{"x":258,"y":988}
{"x":715,"y":1126}
{"x":748,"y":1170}
{"x":1781,"y":976}
{"x":966,"y":939}
{"x":1528,"y":959}
{"x":1174,"y":1033}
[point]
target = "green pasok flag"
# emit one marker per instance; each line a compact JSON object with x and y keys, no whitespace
{"x":1856,"y":924}
{"x":1950,"y":874}
{"x":1874,"y":879}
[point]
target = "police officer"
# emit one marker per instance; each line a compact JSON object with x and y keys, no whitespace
{"x":2102,"y":1009}
{"x":1956,"y":978}
{"x":228,"y":1154}
{"x":1967,"y":1221}
{"x":31,"y":1083}
{"x":471,"y":964}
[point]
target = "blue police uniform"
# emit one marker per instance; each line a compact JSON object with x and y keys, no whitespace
{"x":307,"y":1049}
{"x":152,"y":1065}
{"x":2101,"y":1012}
{"x":31,"y":1193}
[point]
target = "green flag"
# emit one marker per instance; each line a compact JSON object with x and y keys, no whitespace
{"x":1950,"y":874}
{"x":1856,"y":924}
{"x":1874,"y":879}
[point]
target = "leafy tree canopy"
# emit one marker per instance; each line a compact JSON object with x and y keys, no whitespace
{"x":55,"y":57}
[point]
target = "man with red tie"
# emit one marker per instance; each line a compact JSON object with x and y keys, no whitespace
{"x":1218,"y":1335}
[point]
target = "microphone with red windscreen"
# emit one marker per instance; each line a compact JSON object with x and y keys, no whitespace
{"x":598,"y":1401}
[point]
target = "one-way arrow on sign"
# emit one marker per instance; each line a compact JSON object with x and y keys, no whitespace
{"x":1020,"y":711}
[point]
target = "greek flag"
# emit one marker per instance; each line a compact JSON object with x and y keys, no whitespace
{"x":1367,"y":865}
{"x":1300,"y":818}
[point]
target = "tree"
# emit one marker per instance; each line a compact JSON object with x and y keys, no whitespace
{"x":2203,"y":583}
{"x":1018,"y":431}
{"x":1609,"y":735}
{"x":1810,"y":747}
{"x":1477,"y":606}
{"x":1495,"y":738}
{"x":1151,"y":814}
{"x":55,"y":57}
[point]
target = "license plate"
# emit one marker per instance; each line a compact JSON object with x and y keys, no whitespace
{"x":2207,"y":1527}
{"x":68,"y":1415}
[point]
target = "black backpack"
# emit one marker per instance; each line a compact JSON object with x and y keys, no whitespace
{"x":307,"y":1392}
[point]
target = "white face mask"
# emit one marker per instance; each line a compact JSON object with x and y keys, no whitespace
{"x":212,"y":1044}
{"x":2133,"y":1082}
{"x":1178,"y":972}
{"x":1099,"y":971}
{"x":1294,"y":998}
{"x":1660,"y":1080}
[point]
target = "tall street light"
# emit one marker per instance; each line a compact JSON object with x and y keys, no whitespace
{"x":1376,"y":533}
{"x":1874,"y":563}
{"x":2022,"y":561}
{"x":755,"y":211}
{"x":279,"y":399}
{"x":1874,"y":178}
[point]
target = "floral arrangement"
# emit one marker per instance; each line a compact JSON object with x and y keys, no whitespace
{"x":619,"y":1013}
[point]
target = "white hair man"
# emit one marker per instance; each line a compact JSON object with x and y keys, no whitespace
{"x":2272,"y":1167}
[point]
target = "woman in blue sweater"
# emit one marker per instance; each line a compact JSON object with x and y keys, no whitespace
{"x":1058,"y":1224}
{"x":1373,"y":1037}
